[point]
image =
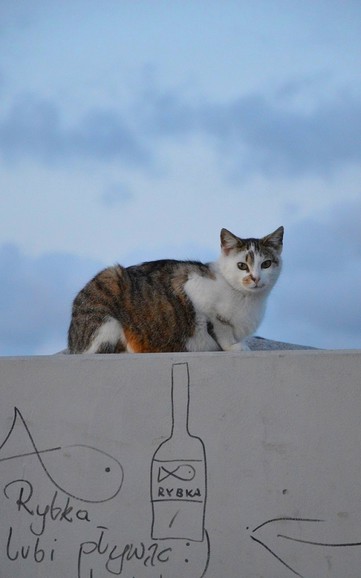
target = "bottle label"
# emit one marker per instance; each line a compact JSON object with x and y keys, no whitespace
{"x":178,"y":499}
{"x":178,"y":480}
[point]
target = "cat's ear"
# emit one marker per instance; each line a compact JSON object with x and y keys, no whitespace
{"x":229,"y":241}
{"x":275,"y":239}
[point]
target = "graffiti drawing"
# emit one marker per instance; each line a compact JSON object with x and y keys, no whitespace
{"x":67,"y":505}
{"x":179,"y":473}
{"x":106,"y":477}
{"x":277,"y":534}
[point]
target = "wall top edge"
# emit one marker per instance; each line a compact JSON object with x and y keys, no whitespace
{"x":138,"y":357}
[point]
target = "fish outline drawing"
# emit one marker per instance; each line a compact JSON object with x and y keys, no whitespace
{"x":309,"y":543}
{"x":105,"y":466}
{"x":187,"y":474}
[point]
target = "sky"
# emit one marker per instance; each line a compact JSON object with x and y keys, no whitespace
{"x":134,"y":130}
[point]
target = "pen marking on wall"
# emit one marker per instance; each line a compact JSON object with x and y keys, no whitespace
{"x":289,"y":538}
{"x":178,"y":471}
{"x":276,"y":556}
{"x":185,"y":473}
{"x":107,"y":470}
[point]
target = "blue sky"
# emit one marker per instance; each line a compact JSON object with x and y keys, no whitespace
{"x":136,"y":130}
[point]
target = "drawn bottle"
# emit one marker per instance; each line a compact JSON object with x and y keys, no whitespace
{"x":178,"y":475}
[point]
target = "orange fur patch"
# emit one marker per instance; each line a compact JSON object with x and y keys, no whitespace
{"x":136,"y":344}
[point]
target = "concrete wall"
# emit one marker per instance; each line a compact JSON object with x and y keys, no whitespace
{"x":266,"y":482}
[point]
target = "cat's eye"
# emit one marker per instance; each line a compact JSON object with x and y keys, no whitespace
{"x":242,"y":266}
{"x":266,"y":264}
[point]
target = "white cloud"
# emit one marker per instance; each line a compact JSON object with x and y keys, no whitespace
{"x":267,"y":135}
{"x":253,"y":134}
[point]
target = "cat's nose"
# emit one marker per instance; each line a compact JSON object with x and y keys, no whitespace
{"x":255,"y":278}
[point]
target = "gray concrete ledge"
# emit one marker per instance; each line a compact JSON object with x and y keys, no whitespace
{"x":186,"y":465}
{"x":261,"y":344}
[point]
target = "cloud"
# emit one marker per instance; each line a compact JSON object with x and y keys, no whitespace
{"x":36,"y":297}
{"x":116,"y":194}
{"x":259,"y":133}
{"x":252,"y":134}
{"x":317,"y":301}
{"x":34,"y":128}
{"x":289,"y":141}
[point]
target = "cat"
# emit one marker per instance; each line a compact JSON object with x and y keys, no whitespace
{"x":169,"y":305}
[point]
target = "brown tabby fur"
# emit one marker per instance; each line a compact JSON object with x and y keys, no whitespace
{"x":148,"y":300}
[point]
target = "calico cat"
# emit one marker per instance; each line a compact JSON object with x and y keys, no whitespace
{"x":173,"y":305}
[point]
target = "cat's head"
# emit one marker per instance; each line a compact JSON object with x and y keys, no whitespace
{"x":251,"y":265}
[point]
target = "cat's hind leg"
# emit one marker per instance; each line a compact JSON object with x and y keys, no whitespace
{"x":109,"y":338}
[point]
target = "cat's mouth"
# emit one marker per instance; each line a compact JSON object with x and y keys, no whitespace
{"x":257,"y":287}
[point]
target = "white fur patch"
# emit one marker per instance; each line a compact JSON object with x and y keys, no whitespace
{"x":234,"y":313}
{"x":110,"y":332}
{"x":201,"y":340}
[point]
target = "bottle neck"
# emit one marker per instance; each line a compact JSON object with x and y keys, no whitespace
{"x":180,"y":399}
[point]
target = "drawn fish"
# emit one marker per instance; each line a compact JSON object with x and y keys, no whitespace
{"x":80,"y":471}
{"x":185,"y":473}
{"x":310,"y":547}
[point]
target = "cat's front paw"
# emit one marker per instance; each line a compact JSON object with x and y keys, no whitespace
{"x":240,"y":346}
